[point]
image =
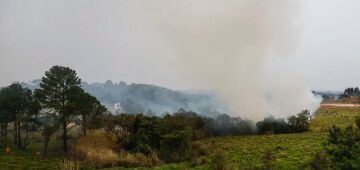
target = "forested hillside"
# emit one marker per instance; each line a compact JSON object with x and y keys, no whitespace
{"x":143,"y":98}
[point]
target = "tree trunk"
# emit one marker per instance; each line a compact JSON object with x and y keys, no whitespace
{"x":65,"y":147}
{"x":5,"y":130}
{"x":2,"y":131}
{"x":84,"y":126}
{"x":46,"y":144}
{"x":19,"y":142}
{"x":15,"y":132}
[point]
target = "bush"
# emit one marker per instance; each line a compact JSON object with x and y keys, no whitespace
{"x":357,"y":122}
{"x":101,"y":157}
{"x":219,"y":161}
{"x":199,"y":149}
{"x":344,"y":148}
{"x":300,"y":122}
{"x":320,"y":162}
{"x":272,"y":125}
{"x":268,"y":159}
{"x":138,"y":160}
{"x":175,"y":146}
{"x":129,"y":160}
{"x":95,"y":150}
{"x":69,"y":165}
{"x":294,"y":124}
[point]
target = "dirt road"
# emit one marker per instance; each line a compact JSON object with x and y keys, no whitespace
{"x":339,"y":105}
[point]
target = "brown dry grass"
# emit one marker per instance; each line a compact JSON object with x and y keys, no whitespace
{"x":101,"y":151}
{"x":95,"y":149}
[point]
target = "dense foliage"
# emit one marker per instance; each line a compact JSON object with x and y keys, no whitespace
{"x":18,"y":106}
{"x":344,"y":147}
{"x":168,"y":136}
{"x":294,"y":124}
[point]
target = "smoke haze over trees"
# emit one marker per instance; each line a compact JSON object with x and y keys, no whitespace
{"x":144,"y":98}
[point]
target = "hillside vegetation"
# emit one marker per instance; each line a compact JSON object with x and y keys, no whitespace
{"x":339,"y":116}
{"x":145,"y":98}
{"x":289,"y":151}
{"x":61,"y":126}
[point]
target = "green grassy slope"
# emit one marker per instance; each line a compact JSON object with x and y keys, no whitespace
{"x":339,"y":116}
{"x":25,"y":160}
{"x":293,"y":151}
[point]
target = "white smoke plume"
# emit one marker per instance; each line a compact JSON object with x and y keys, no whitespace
{"x":239,"y":49}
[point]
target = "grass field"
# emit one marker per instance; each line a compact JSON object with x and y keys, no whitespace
{"x":339,"y":116}
{"x":292,"y":151}
{"x":22,"y":160}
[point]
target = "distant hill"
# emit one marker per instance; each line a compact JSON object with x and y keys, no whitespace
{"x":149,"y":99}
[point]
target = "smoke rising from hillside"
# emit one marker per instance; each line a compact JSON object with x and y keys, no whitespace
{"x":239,"y":49}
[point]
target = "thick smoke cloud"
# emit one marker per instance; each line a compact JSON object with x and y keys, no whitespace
{"x":239,"y":49}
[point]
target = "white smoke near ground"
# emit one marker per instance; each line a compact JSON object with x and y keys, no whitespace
{"x":239,"y":49}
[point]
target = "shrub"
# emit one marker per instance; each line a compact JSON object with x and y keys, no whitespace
{"x":175,"y":146}
{"x":320,"y":162}
{"x":138,"y":160}
{"x":219,"y":161}
{"x":69,"y":165}
{"x":294,"y":124}
{"x":344,"y":148}
{"x":357,"y":122}
{"x":268,"y":160}
{"x":199,"y":149}
{"x":102,"y":157}
{"x":272,"y":125}
{"x":95,"y":150}
{"x":300,"y":122}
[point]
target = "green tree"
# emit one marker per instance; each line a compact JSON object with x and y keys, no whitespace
{"x":344,"y":148}
{"x":17,"y":105}
{"x":300,"y":122}
{"x":57,"y":94}
{"x":48,"y":126}
{"x":5,"y":116}
{"x":89,"y":108}
{"x":121,"y":127}
{"x":175,"y":146}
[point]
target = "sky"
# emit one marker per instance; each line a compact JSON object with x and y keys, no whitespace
{"x":108,"y":39}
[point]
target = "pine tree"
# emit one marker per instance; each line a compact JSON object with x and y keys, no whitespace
{"x":57,"y":95}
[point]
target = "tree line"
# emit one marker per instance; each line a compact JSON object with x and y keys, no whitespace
{"x":351,"y":92}
{"x":59,"y":103}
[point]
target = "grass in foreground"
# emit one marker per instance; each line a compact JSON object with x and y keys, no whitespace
{"x":25,"y":160}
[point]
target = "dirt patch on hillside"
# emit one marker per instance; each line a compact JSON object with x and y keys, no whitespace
{"x":339,"y":105}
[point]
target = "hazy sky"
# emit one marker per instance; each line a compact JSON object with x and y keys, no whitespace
{"x":107,"y":39}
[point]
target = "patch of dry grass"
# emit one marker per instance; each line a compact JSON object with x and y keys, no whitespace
{"x":95,"y":149}
{"x":98,"y":150}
